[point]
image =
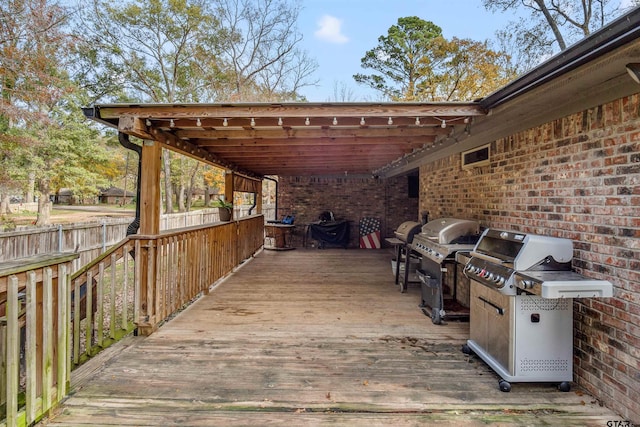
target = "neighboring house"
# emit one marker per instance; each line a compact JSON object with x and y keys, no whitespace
{"x":64,"y":196}
{"x":116,"y":196}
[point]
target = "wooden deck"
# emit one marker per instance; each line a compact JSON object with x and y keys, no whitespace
{"x":309,"y":337}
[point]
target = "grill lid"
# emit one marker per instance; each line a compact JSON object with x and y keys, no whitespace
{"x":447,"y":230}
{"x":407,"y":230}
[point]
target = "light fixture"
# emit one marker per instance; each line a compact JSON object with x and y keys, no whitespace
{"x":335,"y":121}
{"x":198,"y":122}
{"x":225,"y":123}
{"x":279,"y":121}
{"x":362,"y":122}
{"x":148,"y":122}
{"x":417,"y":121}
{"x":307,"y":121}
{"x":390,"y":121}
{"x":634,"y":71}
{"x":253,"y":122}
{"x":171,"y":123}
{"x":444,"y":124}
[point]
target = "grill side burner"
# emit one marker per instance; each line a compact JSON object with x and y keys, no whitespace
{"x":521,"y":320}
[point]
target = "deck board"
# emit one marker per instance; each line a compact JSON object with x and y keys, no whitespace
{"x":309,"y":337}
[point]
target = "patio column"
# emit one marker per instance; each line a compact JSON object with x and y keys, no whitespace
{"x":228,"y":188}
{"x":149,"y":226}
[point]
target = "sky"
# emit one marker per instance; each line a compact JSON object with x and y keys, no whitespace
{"x":337,"y":33}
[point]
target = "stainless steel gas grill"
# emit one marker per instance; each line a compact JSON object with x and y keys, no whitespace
{"x":403,"y":237}
{"x":437,"y":243}
{"x":521,"y":320}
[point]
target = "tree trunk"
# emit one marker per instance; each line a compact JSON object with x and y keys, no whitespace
{"x":29,"y":198}
{"x":181,"y":191}
{"x":168,"y":190}
{"x":552,"y":24}
{"x":5,"y":208}
{"x":192,"y":184}
{"x":44,"y":204}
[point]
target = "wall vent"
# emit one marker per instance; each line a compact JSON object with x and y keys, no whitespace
{"x":476,"y":157}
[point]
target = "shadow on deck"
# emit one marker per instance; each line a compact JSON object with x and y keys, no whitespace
{"x":309,"y":337}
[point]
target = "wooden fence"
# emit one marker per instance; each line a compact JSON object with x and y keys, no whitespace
{"x":103,"y":301}
{"x":91,"y":239}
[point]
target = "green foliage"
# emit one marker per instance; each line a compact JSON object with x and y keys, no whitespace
{"x":414,"y":62}
{"x":219,"y":203}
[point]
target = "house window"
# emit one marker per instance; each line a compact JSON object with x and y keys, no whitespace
{"x":476,"y":157}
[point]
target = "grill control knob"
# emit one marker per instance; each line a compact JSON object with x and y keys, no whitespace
{"x":501,"y":281}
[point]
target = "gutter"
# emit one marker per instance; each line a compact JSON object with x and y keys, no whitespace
{"x":123,"y":138}
{"x":608,"y":38}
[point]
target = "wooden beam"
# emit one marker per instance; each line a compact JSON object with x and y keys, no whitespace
{"x":134,"y":126}
{"x":310,"y":133}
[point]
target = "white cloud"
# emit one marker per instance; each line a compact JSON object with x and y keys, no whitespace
{"x":330,"y":29}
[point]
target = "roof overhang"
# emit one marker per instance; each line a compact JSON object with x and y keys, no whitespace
{"x":292,"y":139}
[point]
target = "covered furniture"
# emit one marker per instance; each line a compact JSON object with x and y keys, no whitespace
{"x":330,"y":232}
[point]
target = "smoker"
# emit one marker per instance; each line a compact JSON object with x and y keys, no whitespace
{"x":403,"y":237}
{"x":437,"y":244}
{"x":521,"y":319}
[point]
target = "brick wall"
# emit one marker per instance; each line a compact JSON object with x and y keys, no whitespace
{"x":579,"y":178}
{"x":348,"y":198}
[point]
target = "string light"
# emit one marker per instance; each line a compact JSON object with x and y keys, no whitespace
{"x":148,"y":122}
{"x":466,"y":120}
{"x":444,"y":124}
{"x":362,"y":122}
{"x":171,"y":123}
{"x":198,"y":122}
{"x":390,"y":121}
{"x":279,"y":121}
{"x":417,"y":121}
{"x":225,"y":123}
{"x":307,"y":121}
{"x":253,"y":122}
{"x":335,"y":121}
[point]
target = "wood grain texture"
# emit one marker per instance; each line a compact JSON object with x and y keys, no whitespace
{"x":309,"y":337}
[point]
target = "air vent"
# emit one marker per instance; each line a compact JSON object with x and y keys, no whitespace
{"x":476,"y":157}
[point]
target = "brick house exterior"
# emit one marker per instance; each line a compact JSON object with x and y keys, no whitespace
{"x":577,"y":177}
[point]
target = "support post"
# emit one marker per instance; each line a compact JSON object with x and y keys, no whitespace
{"x":149,"y":226}
{"x":228,"y":189}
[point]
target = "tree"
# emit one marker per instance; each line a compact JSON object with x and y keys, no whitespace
{"x":33,"y":82}
{"x":414,"y":62}
{"x":259,"y":44}
{"x":551,"y":25}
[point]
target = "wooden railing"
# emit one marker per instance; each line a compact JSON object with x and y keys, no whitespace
{"x":135,"y":285}
{"x":181,"y":264}
{"x":34,"y":336}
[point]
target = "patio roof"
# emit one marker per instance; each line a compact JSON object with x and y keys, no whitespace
{"x":292,"y":138}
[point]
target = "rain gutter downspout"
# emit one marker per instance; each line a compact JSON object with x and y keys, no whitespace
{"x":608,"y":38}
{"x":123,"y":138}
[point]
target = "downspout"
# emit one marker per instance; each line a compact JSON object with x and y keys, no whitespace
{"x":124,"y":141}
{"x":255,"y":202}
{"x":276,"y":207}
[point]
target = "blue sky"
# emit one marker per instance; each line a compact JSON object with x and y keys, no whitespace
{"x":339,"y":32}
